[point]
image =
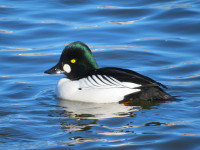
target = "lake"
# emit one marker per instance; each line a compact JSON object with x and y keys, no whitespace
{"x":159,"y":39}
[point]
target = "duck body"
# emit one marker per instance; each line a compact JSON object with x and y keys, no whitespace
{"x":98,"y":87}
{"x":88,"y":83}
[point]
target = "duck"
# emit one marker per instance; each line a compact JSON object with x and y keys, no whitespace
{"x":86,"y":82}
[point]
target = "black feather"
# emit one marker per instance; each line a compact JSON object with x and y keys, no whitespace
{"x":148,"y":94}
{"x":125,"y":75}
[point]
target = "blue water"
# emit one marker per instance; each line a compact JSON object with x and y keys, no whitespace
{"x":159,"y":39}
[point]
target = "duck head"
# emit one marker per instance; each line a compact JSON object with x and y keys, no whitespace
{"x":75,"y":61}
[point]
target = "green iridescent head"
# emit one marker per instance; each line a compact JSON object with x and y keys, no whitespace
{"x":75,"y":61}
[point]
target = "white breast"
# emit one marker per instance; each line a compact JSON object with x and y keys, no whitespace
{"x":95,"y":88}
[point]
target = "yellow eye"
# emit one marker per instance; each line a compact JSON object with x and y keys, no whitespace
{"x":73,"y":61}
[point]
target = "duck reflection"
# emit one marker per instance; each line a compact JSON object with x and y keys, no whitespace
{"x":84,"y":110}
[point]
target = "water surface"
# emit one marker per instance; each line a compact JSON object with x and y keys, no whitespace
{"x":159,"y":39}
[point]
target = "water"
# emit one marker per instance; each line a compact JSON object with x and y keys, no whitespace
{"x":159,"y":39}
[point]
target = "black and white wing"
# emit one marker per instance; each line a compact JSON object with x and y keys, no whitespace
{"x":117,"y":77}
{"x":133,"y":85}
{"x":105,"y":81}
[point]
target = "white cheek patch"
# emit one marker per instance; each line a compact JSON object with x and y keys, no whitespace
{"x":67,"y":68}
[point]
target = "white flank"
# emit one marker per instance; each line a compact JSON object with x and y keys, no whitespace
{"x":67,"y":68}
{"x":95,"y":88}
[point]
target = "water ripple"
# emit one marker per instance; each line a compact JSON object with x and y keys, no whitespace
{"x":159,"y":39}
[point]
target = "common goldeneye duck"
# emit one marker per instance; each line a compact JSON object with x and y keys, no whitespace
{"x":87,"y":82}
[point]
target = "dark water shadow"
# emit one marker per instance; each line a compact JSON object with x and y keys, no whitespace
{"x":151,"y":104}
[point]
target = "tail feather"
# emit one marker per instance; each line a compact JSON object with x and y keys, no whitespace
{"x":151,"y":93}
